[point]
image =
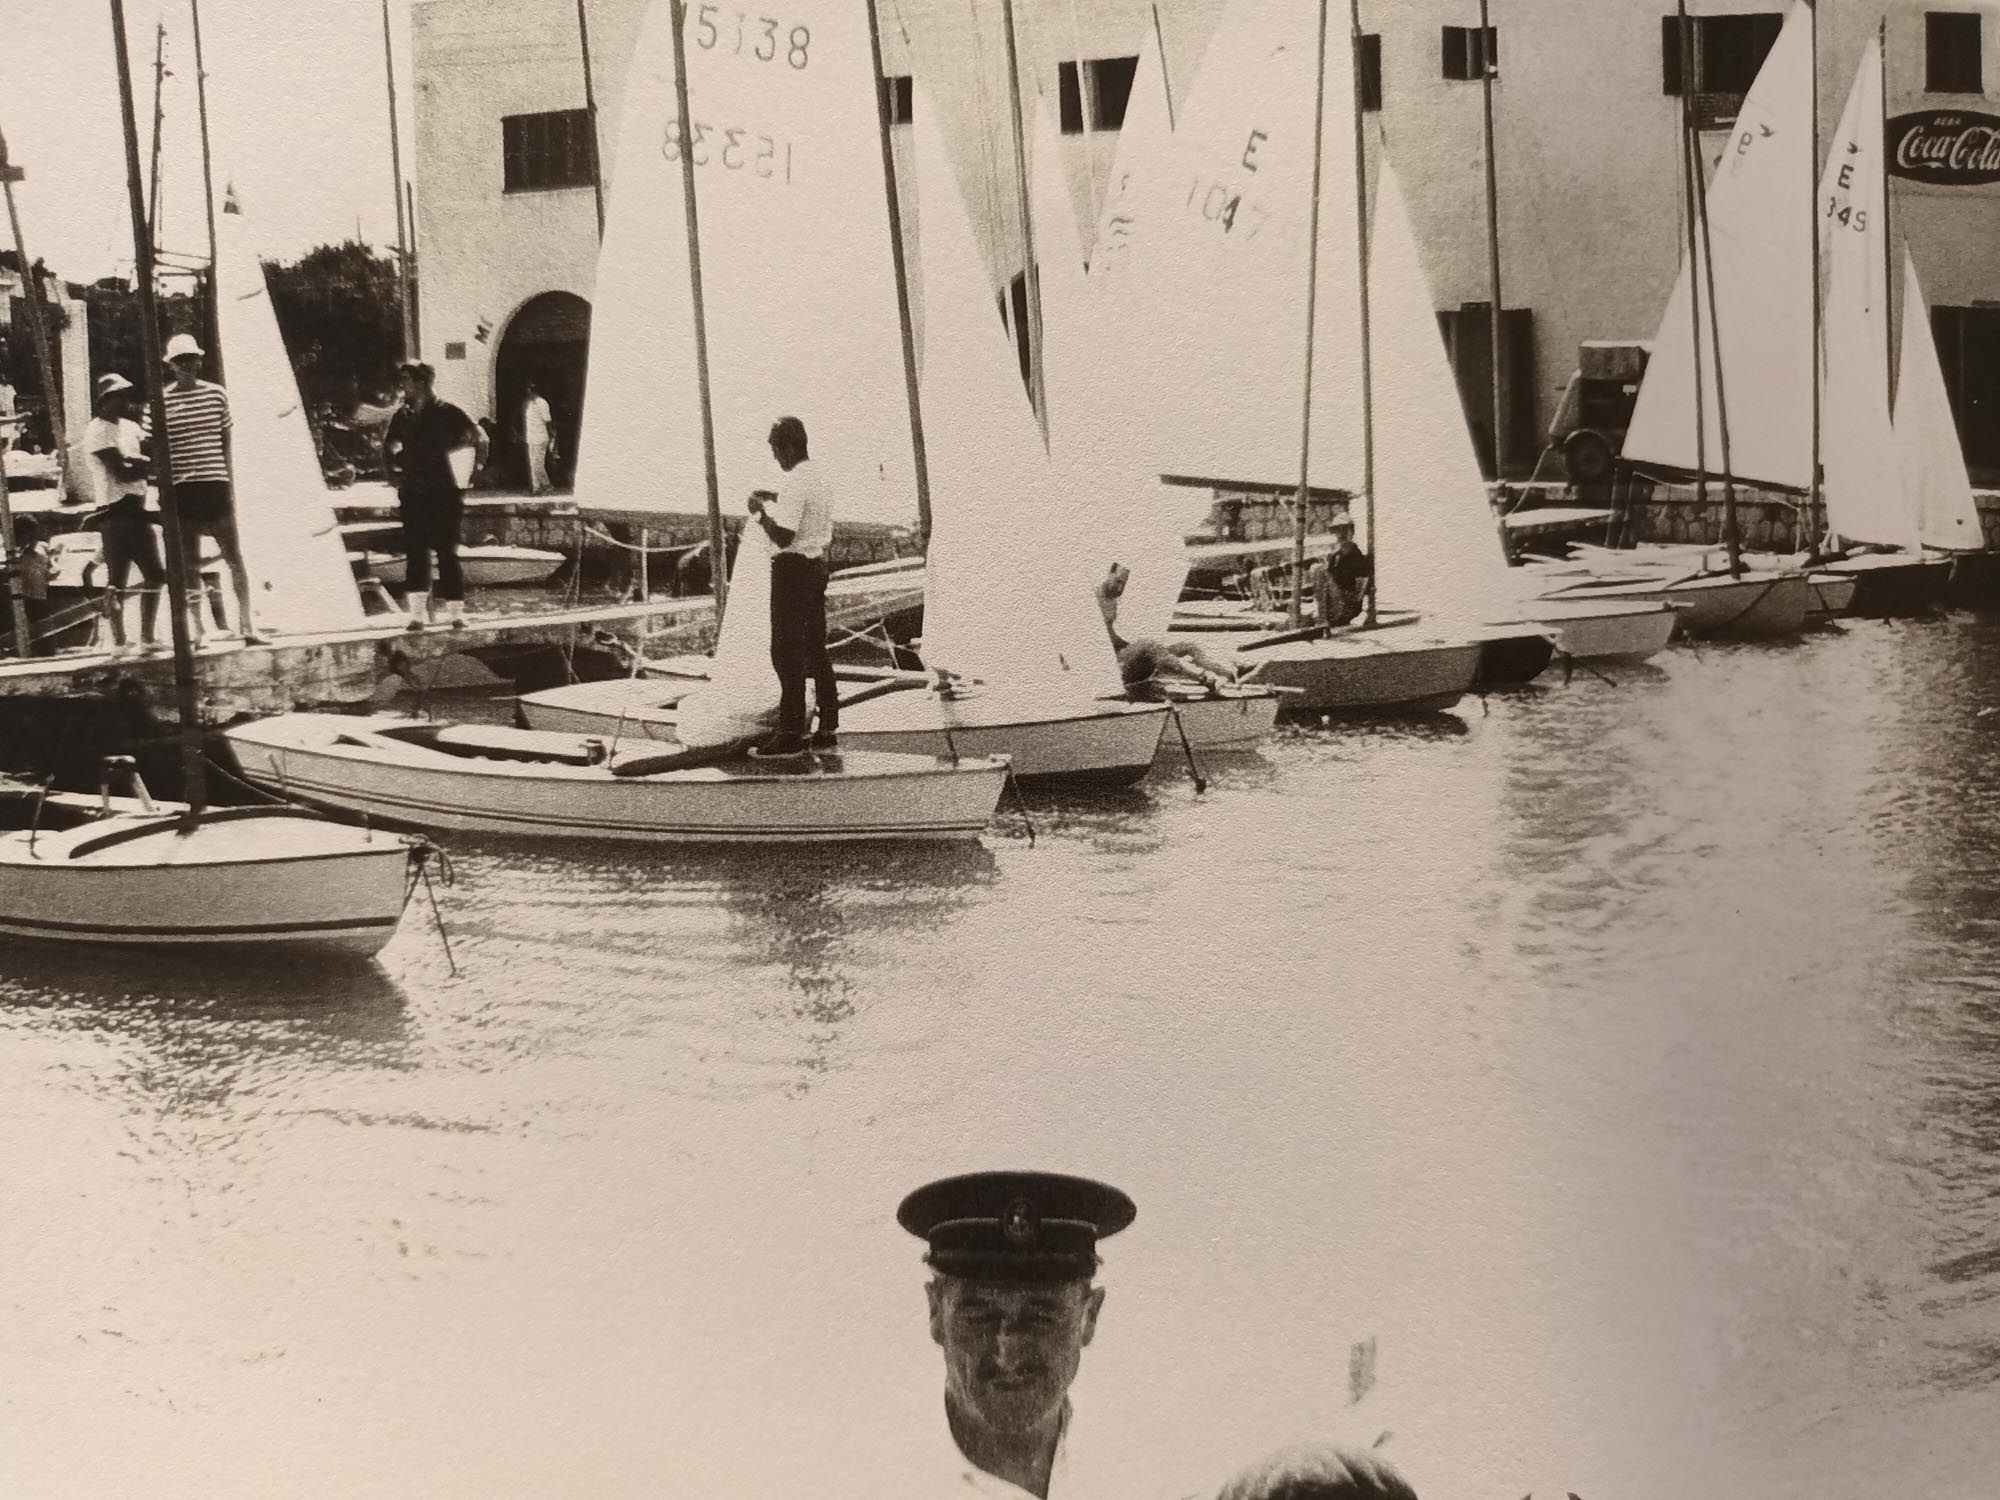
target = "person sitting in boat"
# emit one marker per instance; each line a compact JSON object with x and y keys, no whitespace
{"x":1148,"y":660}
{"x":1341,"y":583}
{"x":28,"y":578}
{"x":115,"y":462}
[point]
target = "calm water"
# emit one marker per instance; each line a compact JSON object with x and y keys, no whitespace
{"x":1624,"y":1062}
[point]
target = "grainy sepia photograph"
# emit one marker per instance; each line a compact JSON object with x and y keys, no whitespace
{"x":1025,"y":749}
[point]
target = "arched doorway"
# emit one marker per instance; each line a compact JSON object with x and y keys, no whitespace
{"x":547,"y":342}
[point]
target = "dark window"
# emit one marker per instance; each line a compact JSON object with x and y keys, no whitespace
{"x":1728,"y":51}
{"x":1370,"y":71}
{"x":1466,"y":50}
{"x":902,"y":98}
{"x":1953,"y":53}
{"x":553,"y":150}
{"x":1109,"y":84}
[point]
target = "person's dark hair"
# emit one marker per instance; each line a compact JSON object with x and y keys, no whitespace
{"x":418,"y":368}
{"x":27,"y":530}
{"x":790,"y":430}
{"x":1318,"y":1472}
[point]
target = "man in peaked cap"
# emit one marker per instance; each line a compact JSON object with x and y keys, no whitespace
{"x":1013,"y":1304}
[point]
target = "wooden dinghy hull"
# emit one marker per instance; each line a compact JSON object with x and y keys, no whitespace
{"x":1756,"y":606}
{"x":526,"y":783}
{"x":1368,"y":672}
{"x":243,"y":878}
{"x":1889,"y":585}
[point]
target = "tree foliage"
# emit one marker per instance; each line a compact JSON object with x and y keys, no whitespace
{"x":341,"y":313}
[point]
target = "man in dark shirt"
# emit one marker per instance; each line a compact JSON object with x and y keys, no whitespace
{"x":1342,"y":582}
{"x":417,"y":449}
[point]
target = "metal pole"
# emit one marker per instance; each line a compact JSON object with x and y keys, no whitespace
{"x":590,"y":108}
{"x":1302,"y":511}
{"x":194,"y":778}
{"x":1367,"y":363}
{"x":1033,"y":276}
{"x":1888,"y":236}
{"x":1488,"y":72}
{"x":904,"y":323}
{"x":215,"y":354}
{"x":718,"y":552}
{"x":23,"y":641}
{"x":159,"y":119}
{"x":1690,"y":174}
{"x":38,"y":327}
{"x":396,"y":166}
{"x":1732,"y":538}
{"x":1166,"y":74}
{"x":1815,"y":488}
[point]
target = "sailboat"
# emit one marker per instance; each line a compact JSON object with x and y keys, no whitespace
{"x":1757,"y":425}
{"x":1868,"y":498}
{"x":124,"y":872}
{"x":1127,"y":514}
{"x":1930,"y":454}
{"x":779,"y":210}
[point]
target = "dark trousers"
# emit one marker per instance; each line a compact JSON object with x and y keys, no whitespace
{"x":798,"y":642}
{"x":430,"y":525}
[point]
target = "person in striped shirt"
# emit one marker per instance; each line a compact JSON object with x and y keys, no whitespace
{"x":198,"y":440}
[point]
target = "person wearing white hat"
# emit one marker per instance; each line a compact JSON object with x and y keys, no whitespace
{"x":198,"y":439}
{"x":116,"y":465}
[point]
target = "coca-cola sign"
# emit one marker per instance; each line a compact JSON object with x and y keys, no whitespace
{"x":1948,"y":147}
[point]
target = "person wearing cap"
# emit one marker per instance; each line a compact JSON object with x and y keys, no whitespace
{"x":1013,"y":1305}
{"x":796,"y":523}
{"x":198,"y":442}
{"x":417,"y":449}
{"x":1341,"y":583}
{"x":1318,"y":1471}
{"x":116,"y":466}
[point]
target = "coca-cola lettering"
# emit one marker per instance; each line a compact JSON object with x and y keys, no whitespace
{"x":1947,"y":147}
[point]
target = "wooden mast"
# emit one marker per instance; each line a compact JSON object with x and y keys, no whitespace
{"x":1367,"y":361}
{"x":403,"y":269}
{"x":1690,"y":176}
{"x":1888,"y":234}
{"x":186,"y":702}
{"x":1166,"y":76}
{"x":1816,"y":485}
{"x":885,"y":107}
{"x":718,"y":551}
{"x":215,"y":356}
{"x":1301,"y":512}
{"x":159,"y":119}
{"x":590,"y":108}
{"x":1031,"y":274}
{"x":1732,"y":539}
{"x":1489,"y":70}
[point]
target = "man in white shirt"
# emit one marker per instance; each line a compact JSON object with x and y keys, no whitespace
{"x":538,"y":431}
{"x":1012,"y":1305}
{"x":116,"y":465}
{"x":797,"y":526}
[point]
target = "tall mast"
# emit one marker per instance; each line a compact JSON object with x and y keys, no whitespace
{"x":1167,"y":77}
{"x":1690,"y":175}
{"x":1301,"y":512}
{"x":159,"y":117}
{"x":194,"y":779}
{"x":1030,"y":272}
{"x":885,"y":113}
{"x":1815,"y":491}
{"x":1732,"y":538}
{"x":1888,"y":237}
{"x":718,"y":552}
{"x":1367,"y":364}
{"x":38,"y":326}
{"x":396,"y":167}
{"x":590,"y":108}
{"x":208,"y":197}
{"x":1490,"y":70}
{"x":23,"y":639}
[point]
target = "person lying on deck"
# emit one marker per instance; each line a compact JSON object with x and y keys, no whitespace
{"x":1149,"y":660}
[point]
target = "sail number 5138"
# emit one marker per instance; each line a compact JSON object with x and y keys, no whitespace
{"x":767,"y":37}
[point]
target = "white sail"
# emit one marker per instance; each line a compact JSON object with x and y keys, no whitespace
{"x":798,"y":286}
{"x":1439,"y":539}
{"x":1763,"y":295}
{"x":292,"y":549}
{"x":1863,"y":484}
{"x":1142,"y":141}
{"x":1220,"y":244}
{"x":1927,"y":443}
{"x":1006,"y":592}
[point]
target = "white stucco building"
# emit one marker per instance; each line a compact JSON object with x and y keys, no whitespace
{"x":1586,"y":147}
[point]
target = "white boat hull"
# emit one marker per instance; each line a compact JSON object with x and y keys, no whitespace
{"x":1368,"y":672}
{"x":1613,"y":630}
{"x":358,"y":765}
{"x":485,"y":567}
{"x":1755,"y":606}
{"x":270,"y":881}
{"x":1106,"y":741}
{"x":1233,"y":720}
